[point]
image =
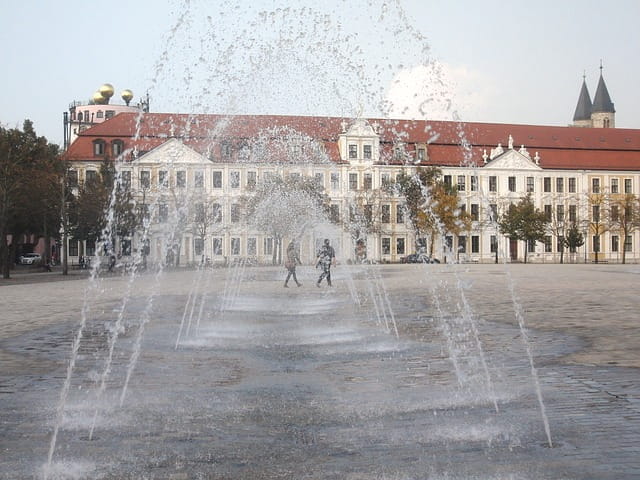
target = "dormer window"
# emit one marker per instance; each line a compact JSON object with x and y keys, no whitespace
{"x":367,"y":152}
{"x":421,"y":154}
{"x":98,"y":147}
{"x":117,"y":146}
{"x":353,"y":150}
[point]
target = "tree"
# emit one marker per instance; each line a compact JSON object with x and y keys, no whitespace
{"x":523,"y":221}
{"x":30,"y":173}
{"x":573,"y":238}
{"x":284,"y":207}
{"x":599,"y":222}
{"x":624,"y":215}
{"x":432,"y":206}
{"x":205,"y":215}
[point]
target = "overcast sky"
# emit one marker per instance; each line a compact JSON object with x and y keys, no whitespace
{"x":492,"y":61}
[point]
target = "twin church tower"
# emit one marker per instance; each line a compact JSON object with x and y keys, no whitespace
{"x":600,"y":113}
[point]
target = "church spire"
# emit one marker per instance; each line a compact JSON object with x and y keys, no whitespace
{"x":603,"y":114}
{"x":583,"y":109}
{"x":602,"y":101}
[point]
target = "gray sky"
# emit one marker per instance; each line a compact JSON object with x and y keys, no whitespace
{"x":493,"y":61}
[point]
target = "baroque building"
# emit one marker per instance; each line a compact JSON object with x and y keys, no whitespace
{"x":173,"y":162}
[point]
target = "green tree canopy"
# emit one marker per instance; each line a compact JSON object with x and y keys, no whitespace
{"x":523,"y":221}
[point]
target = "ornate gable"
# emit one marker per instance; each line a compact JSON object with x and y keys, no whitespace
{"x":513,"y":160}
{"x":172,"y":152}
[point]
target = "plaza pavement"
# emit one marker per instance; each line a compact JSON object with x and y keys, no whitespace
{"x":582,"y":324}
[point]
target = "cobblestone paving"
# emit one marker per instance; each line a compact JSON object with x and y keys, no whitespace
{"x":307,"y":383}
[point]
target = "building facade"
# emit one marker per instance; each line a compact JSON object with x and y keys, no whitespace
{"x":176,"y":164}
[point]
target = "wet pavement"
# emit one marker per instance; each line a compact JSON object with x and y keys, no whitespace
{"x":397,"y":372}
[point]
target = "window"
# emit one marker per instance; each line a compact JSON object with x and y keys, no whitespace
{"x":225,"y":150}
{"x":627,"y":243}
{"x":252,"y":179}
{"x":181,"y":178}
{"x":560,"y":213}
{"x":217,"y":246}
{"x":91,"y":248}
{"x":595,"y":185}
{"x":100,"y":114}
{"x":367,"y":151}
{"x":493,"y":212}
{"x":493,"y":183}
{"x":399,"y":214}
{"x":546,"y":184}
{"x":615,"y":188}
{"x":614,"y":185}
{"x":335,"y":181}
{"x":145,"y":178}
{"x":560,"y":185}
{"x":475,"y":212}
{"x":109,"y":114}
{"x":73,"y":248}
{"x":547,"y":244}
{"x":421,"y":154}
{"x":615,"y":243}
{"x":163,"y":213}
{"x":572,"y":185}
{"x":385,"y":179}
{"x":512,"y":184}
{"x":627,"y":185}
{"x":91,"y":176}
{"x":117,"y":146}
{"x":474,"y":183}
{"x":494,"y":244}
{"x":615,"y":215}
{"x":531,"y":246}
{"x":252,"y":246}
{"x":353,"y":181}
{"x":334,"y":213}
{"x":216,"y":212}
{"x":462,"y":244}
{"x":199,"y":214}
{"x":235,"y":213}
{"x":386,"y":214}
{"x":198,"y":179}
{"x":234,"y":179}
{"x":72,"y":176}
{"x":400,"y":246}
{"x":573,"y":213}
{"x":235,"y":246}
{"x":368,"y":212}
{"x":475,"y":244}
{"x":596,"y":213}
{"x":319,"y":179}
{"x":596,"y":243}
{"x":386,"y":245}
{"x":353,"y":151}
{"x":547,"y":213}
{"x":560,"y":243}
{"x":461,"y":183}
{"x":98,"y":147}
{"x":198,"y":246}
{"x":368,"y":181}
{"x":125,"y":178}
{"x":163,"y":178}
{"x":268,"y":246}
{"x":216,"y":179}
{"x":447,"y":180}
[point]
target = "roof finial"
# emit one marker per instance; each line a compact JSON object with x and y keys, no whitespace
{"x":584,"y":75}
{"x":600,"y":66}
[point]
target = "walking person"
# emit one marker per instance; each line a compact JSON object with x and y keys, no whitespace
{"x":293,"y":258}
{"x":326,"y":257}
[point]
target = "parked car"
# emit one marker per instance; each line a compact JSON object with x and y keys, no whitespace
{"x":419,"y":258}
{"x":29,"y":259}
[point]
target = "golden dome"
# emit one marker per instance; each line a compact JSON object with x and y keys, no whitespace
{"x":106,"y":90}
{"x":98,"y":99}
{"x":127,"y":95}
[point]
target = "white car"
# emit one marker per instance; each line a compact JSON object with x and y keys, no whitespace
{"x":29,"y":258}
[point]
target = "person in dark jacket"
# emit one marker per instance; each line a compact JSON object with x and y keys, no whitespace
{"x":293,"y":259}
{"x":326,"y":257}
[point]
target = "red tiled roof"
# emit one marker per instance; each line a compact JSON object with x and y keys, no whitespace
{"x":558,"y":147}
